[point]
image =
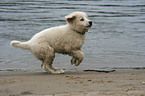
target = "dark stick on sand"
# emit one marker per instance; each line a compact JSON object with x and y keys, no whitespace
{"x":98,"y":70}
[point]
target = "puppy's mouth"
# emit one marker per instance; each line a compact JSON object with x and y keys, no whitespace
{"x":89,"y":26}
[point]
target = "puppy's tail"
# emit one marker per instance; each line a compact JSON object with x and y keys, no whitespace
{"x":18,"y":44}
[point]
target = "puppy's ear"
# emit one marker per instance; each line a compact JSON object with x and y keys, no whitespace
{"x":70,"y":18}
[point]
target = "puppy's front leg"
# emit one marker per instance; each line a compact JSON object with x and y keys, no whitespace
{"x":78,"y":57}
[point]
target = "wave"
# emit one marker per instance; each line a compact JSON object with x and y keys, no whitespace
{"x":11,"y":70}
{"x":128,"y":68}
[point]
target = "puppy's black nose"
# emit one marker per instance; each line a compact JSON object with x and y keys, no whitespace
{"x":90,"y":22}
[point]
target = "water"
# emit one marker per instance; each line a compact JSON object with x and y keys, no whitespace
{"x":116,"y":39}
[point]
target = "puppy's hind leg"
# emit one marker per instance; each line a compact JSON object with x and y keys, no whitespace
{"x":48,"y":66}
{"x":47,"y":63}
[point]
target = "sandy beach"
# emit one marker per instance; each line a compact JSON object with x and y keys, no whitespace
{"x":118,"y":83}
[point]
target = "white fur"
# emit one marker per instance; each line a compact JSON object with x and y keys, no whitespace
{"x":66,"y":39}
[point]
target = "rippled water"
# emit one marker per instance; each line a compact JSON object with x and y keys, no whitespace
{"x":116,"y":40}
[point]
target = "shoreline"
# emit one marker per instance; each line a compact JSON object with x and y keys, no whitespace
{"x":117,"y":83}
{"x":101,"y":68}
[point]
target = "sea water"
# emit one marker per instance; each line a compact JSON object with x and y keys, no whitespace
{"x":116,"y":39}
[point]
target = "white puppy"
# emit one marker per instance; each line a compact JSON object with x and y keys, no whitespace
{"x":66,"y":39}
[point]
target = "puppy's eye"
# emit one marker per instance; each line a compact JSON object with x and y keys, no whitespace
{"x":81,"y":19}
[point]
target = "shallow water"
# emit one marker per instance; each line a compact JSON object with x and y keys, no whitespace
{"x":116,"y":39}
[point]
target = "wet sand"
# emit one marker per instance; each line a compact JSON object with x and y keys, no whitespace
{"x":118,"y":83}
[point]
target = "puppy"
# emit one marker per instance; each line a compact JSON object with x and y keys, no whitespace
{"x":66,"y":39}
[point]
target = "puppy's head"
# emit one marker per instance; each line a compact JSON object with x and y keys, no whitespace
{"x":79,"y":21}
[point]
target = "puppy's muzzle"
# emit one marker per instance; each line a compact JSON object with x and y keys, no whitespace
{"x":90,"y":24}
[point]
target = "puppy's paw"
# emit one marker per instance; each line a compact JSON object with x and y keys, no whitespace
{"x":73,"y":61}
{"x":77,"y":63}
{"x":47,"y":70}
{"x":58,"y":71}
